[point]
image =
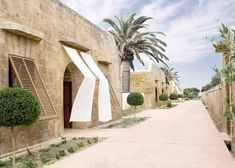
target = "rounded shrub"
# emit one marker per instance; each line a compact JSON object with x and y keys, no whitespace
{"x":135,"y":99}
{"x":169,"y":104}
{"x":163,"y":97}
{"x":190,"y":96}
{"x":18,"y":107}
{"x":180,"y":95}
{"x":173,"y":96}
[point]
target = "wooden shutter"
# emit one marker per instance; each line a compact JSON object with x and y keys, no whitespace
{"x":29,"y":78}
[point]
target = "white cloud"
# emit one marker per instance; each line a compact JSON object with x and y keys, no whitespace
{"x":96,"y":10}
{"x":186,"y":23}
{"x":187,"y":31}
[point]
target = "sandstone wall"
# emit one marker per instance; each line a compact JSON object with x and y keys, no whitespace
{"x":54,"y":21}
{"x":213,"y":99}
{"x":151,"y":82}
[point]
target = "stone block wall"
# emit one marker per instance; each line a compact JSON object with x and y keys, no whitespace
{"x":151,"y":82}
{"x":213,"y":100}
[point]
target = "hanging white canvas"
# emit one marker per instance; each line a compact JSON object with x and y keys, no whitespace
{"x":104,"y":104}
{"x":82,"y":106}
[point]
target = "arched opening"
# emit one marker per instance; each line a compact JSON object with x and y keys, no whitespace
{"x":72,"y":81}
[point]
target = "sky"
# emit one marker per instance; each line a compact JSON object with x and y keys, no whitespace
{"x":189,"y":25}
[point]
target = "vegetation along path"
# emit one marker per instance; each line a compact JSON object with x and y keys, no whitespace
{"x":181,"y":137}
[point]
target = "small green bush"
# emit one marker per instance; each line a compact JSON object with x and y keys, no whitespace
{"x":58,"y":156}
{"x":71,"y":150}
{"x":30,"y":153}
{"x":173,"y":96}
{"x":64,"y":142}
{"x":81,"y":145}
{"x":95,"y":139}
{"x":55,"y":145}
{"x":168,"y":103}
{"x":18,"y":159}
{"x":163,"y":97}
{"x":190,"y":96}
{"x":44,"y":150}
{"x":31,"y":164}
{"x":180,"y":95}
{"x":135,"y":99}
{"x":2,"y":163}
{"x":89,"y":142}
{"x":62,"y":153}
{"x":45,"y":160}
{"x":18,"y":107}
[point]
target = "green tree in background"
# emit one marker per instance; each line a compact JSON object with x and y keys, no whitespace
{"x":132,"y":39}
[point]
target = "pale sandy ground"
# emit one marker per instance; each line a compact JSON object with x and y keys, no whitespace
{"x":181,"y":137}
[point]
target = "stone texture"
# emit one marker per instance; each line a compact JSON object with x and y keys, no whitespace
{"x":152,"y":83}
{"x":55,"y":21}
{"x":212,"y":99}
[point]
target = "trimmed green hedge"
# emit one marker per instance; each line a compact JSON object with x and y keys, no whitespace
{"x":18,"y":107}
{"x":163,"y":97}
{"x":135,"y":99}
{"x":168,"y":103}
{"x":173,"y":96}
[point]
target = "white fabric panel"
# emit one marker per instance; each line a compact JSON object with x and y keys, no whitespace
{"x":104,"y":104}
{"x":82,"y":106}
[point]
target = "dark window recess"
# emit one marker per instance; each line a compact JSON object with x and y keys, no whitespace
{"x":13,"y":81}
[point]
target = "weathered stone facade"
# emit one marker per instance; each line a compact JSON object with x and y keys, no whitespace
{"x":37,"y":30}
{"x":152,"y":83}
{"x":213,"y":99}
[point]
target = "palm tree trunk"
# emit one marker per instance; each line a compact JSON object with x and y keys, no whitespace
{"x":126,"y":76}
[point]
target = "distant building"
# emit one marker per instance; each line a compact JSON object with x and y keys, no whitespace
{"x":151,"y":82}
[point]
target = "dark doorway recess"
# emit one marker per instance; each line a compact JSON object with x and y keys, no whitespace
{"x":67,"y":104}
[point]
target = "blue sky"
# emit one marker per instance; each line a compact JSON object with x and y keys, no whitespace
{"x":186,"y":23}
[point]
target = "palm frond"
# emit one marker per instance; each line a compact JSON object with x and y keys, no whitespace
{"x":130,"y":37}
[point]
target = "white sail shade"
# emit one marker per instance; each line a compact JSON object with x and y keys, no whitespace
{"x":104,"y":104}
{"x":82,"y":106}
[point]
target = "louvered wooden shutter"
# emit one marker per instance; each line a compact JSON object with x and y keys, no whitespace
{"x":29,"y":78}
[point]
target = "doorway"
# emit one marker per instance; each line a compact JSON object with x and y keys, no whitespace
{"x":156,"y":95}
{"x":67,"y":104}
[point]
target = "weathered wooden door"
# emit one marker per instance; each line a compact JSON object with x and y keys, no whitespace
{"x":67,"y":104}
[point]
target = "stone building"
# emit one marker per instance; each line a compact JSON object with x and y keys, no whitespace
{"x":151,"y":82}
{"x":32,"y":36}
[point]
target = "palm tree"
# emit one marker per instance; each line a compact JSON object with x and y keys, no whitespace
{"x":132,"y":41}
{"x":170,"y":74}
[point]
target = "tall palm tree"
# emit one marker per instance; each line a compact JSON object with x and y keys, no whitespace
{"x":131,"y":41}
{"x":170,"y":74}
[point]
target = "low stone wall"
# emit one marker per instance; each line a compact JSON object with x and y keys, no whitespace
{"x":213,"y":100}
